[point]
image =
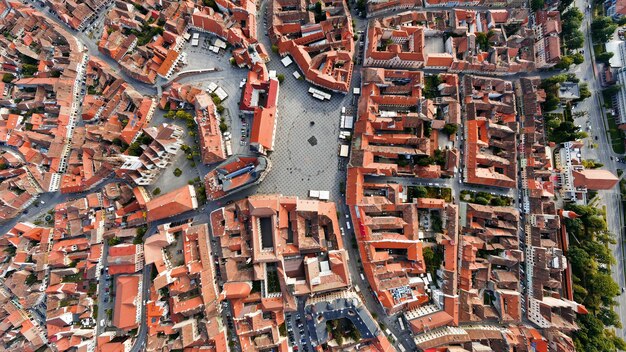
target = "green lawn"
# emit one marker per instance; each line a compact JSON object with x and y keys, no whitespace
{"x":616,"y":135}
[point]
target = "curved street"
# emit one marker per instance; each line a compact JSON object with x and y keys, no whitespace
{"x":604,"y":154}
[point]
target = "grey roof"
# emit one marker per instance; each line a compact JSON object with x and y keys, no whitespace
{"x":350,"y":308}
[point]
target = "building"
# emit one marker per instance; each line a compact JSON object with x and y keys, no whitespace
{"x":490,"y":132}
{"x":458,"y":40}
{"x":191,"y":305}
{"x":235,"y":174}
{"x":127,"y":310}
{"x":145,"y":169}
{"x":173,"y":203}
{"x":547,"y":274}
{"x":397,"y":129}
{"x":619,"y":99}
{"x":491,"y":259}
{"x":260,"y":97}
{"x":294,"y":29}
{"x":125,"y":259}
{"x":568,"y":91}
{"x":573,"y":180}
{"x":320,"y":311}
{"x":615,"y":8}
{"x":547,"y":38}
{"x":212,"y":147}
{"x":274,"y":250}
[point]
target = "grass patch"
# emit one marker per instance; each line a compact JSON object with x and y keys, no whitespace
{"x":616,"y":135}
{"x":429,"y":192}
{"x":485,"y":198}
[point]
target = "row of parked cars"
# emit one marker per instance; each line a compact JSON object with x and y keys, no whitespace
{"x":292,"y":340}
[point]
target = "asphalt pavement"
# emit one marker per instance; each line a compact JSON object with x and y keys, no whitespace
{"x":603,"y":153}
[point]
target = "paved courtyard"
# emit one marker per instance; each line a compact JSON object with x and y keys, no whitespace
{"x":297,"y":165}
{"x":306,"y":151}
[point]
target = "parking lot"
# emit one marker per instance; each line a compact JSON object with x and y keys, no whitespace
{"x":296,"y":332}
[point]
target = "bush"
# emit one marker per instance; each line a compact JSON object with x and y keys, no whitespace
{"x":604,"y":57}
{"x":275,"y":48}
{"x":580,"y":58}
{"x":565,"y":63}
{"x":450,"y":128}
{"x":280,"y":77}
{"x":113,"y":241}
{"x":481,"y":201}
{"x":156,"y":191}
{"x":178,"y":172}
{"x":220,"y":109}
{"x":7,"y":78}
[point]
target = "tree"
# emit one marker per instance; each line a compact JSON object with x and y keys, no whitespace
{"x":450,"y":128}
{"x":571,"y":22}
{"x":361,"y":5}
{"x":223,"y":127}
{"x":280,"y":77}
{"x":183,"y":115}
{"x":28,"y":70}
{"x":563,"y":4}
{"x":612,"y":90}
{"x":211,"y":4}
{"x":170,"y":114}
{"x":604,"y":57}
{"x":156,"y":191}
{"x":428,"y":255}
{"x":113,"y":241}
{"x":7,"y":77}
{"x":575,"y":41}
{"x":578,"y":58}
{"x":565,"y":63}
{"x":275,"y":48}
{"x":551,"y":103}
{"x":420,"y":191}
{"x":178,"y":172}
{"x":584,"y":91}
{"x":602,"y":29}
{"x":135,"y":149}
{"x":482,"y":41}
{"x":571,"y":17}
{"x":498,"y":202}
{"x":31,"y":279}
{"x":536,"y":5}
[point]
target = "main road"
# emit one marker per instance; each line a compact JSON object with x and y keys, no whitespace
{"x":603,"y":153}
